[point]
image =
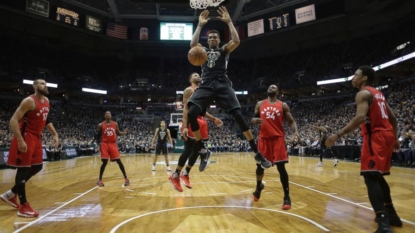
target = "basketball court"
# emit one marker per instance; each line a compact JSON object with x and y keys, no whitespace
{"x":324,"y":199}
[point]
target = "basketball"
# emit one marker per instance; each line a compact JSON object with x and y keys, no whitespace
{"x":197,"y":56}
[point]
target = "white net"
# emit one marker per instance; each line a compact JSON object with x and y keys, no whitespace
{"x":203,"y":4}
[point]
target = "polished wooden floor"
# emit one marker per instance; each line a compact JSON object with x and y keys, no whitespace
{"x":323,"y":198}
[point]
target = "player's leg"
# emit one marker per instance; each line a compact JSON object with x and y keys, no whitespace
{"x":104,"y":158}
{"x":197,"y":104}
{"x":115,"y":156}
{"x":204,"y":158}
{"x":280,"y":159}
{"x":175,"y":176}
{"x":156,"y":155}
{"x":285,"y":185}
{"x":372,"y":166}
{"x":259,"y":185}
{"x":166,"y":158}
{"x":393,"y":217}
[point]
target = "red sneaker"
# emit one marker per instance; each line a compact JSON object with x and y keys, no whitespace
{"x":11,"y":201}
{"x":287,"y":203}
{"x":257,"y":193}
{"x":100,"y":183}
{"x":175,"y":182}
{"x":127,"y":182}
{"x":26,"y":211}
{"x":186,"y":180}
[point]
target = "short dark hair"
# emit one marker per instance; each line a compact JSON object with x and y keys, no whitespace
{"x":37,"y":80}
{"x":190,"y":76}
{"x":369,"y":72}
{"x":214,"y":31}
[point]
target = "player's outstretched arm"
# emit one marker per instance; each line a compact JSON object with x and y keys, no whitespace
{"x":362,"y":107}
{"x":203,"y":19}
{"x":117,"y":130}
{"x":234,"y":42}
{"x":52,"y":131}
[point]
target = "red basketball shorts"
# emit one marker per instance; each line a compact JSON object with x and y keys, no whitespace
{"x":377,"y":153}
{"x":33,"y":155}
{"x":203,"y":128}
{"x":273,"y":149}
{"x":109,"y":150}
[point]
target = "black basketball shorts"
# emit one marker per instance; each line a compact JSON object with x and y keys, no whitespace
{"x":215,"y":89}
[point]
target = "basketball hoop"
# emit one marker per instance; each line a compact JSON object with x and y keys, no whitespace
{"x":203,"y":4}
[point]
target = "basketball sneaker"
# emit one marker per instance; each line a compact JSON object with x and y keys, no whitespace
{"x":257,"y":193}
{"x":10,"y":200}
{"x":335,"y":161}
{"x":26,"y":211}
{"x":127,"y":182}
{"x":287,"y":203}
{"x":175,"y":181}
{"x":168,"y":168}
{"x":186,"y":180}
{"x":393,"y":217}
{"x":153,"y":168}
{"x":204,"y":160}
{"x":320,"y":164}
{"x":383,"y":226}
{"x":260,"y":159}
{"x":100,"y":183}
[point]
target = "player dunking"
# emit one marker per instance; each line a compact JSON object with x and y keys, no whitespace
{"x":379,"y":131}
{"x":190,"y":151}
{"x":270,"y":114}
{"x":161,"y":134}
{"x":26,"y":154}
{"x":109,"y":150}
{"x":216,"y":86}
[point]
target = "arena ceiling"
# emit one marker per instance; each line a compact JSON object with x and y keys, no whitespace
{"x":178,"y":9}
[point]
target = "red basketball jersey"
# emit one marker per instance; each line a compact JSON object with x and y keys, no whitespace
{"x":109,"y":133}
{"x":272,"y":117}
{"x":377,"y":117}
{"x":34,"y":121}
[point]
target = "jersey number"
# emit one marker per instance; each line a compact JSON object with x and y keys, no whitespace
{"x":110,"y":133}
{"x":382,"y":107}
{"x":270,"y":116}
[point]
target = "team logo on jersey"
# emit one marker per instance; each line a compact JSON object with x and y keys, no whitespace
{"x":212,"y":57}
{"x":380,"y":96}
{"x":270,"y":112}
{"x":109,"y":131}
{"x":371,"y":164}
{"x":162,"y":134}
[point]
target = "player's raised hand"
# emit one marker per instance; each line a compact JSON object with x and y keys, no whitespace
{"x":203,"y":18}
{"x":224,"y":14}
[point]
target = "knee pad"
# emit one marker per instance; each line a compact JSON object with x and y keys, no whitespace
{"x":259,"y":170}
{"x":192,"y":115}
{"x":237,"y":115}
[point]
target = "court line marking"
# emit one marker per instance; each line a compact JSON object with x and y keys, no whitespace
{"x":345,"y":200}
{"x":56,"y":209}
{"x":238,"y":207}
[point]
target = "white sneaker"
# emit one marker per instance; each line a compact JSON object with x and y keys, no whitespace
{"x":335,"y":161}
{"x":154,"y":168}
{"x":319,"y":164}
{"x":168,"y":168}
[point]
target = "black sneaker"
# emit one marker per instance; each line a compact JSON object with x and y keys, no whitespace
{"x":383,"y":226}
{"x":257,"y":193}
{"x":287,"y":203}
{"x":260,"y":159}
{"x":392,"y":216}
{"x":204,"y":160}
